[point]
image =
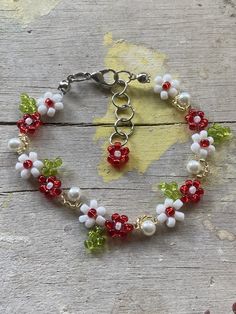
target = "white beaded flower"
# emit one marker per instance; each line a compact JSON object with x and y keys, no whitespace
{"x":93,"y":214}
{"x":29,"y":165}
{"x":202,"y":144}
{"x":166,"y":86}
{"x":49,"y":104}
{"x":168,"y":212}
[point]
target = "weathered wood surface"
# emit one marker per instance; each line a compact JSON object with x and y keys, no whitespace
{"x":43,"y":265}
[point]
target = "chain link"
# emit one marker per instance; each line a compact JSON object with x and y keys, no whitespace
{"x":124,"y":111}
{"x":123,"y":137}
{"x":128,"y":124}
{"x":65,"y":85}
{"x":120,"y":96}
{"x":123,"y":125}
{"x":130,"y":117}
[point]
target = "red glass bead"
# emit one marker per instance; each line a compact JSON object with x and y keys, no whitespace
{"x":50,"y":186}
{"x":118,"y":227}
{"x":118,"y":155}
{"x":195,"y":198}
{"x":188,"y":183}
{"x":92,"y":213}
{"x":128,"y":227}
{"x":51,"y":179}
{"x":35,"y":116}
{"x":43,"y":188}
{"x":115,"y":217}
{"x":166,"y":85}
{"x":27,"y":164}
{"x":191,"y":191}
{"x":196,"y":120}
{"x":234,"y":308}
{"x":196,"y":183}
{"x":184,"y":199}
{"x":170,"y":211}
{"x":42,"y":179}
{"x":200,"y":114}
{"x":117,"y":145}
{"x":57,"y":183}
{"x":29,"y":128}
{"x":54,"y":192}
{"x":124,"y":218}
{"x":204,"y":143}
{"x":200,"y":191}
{"x":108,"y":224}
{"x":203,"y":124}
{"x":49,"y":102}
{"x":184,"y":189}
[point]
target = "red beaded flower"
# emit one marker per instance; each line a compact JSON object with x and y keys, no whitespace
{"x":191,"y":191}
{"x":29,"y":123}
{"x":50,"y":186}
{"x":118,"y":155}
{"x":118,"y":227}
{"x":196,"y":120}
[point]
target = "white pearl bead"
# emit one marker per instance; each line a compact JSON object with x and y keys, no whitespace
{"x":197,"y":119}
{"x":192,"y":189}
{"x":194,"y":167}
{"x":184,"y":98}
{"x":74,"y":193}
{"x":14,"y":144}
{"x":148,"y":227}
{"x":28,"y":121}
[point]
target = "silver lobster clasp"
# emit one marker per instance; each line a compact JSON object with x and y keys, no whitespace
{"x":100,"y":78}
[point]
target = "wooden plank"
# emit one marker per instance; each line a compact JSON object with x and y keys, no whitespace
{"x":45,"y":234}
{"x":192,"y":53}
{"x":78,"y":169}
{"x":43,"y":264}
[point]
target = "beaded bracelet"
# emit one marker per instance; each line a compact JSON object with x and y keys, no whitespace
{"x":94,"y":216}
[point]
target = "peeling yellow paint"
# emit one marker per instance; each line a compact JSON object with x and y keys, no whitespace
{"x":108,"y":39}
{"x":222,"y":234}
{"x":148,"y":143}
{"x":7,"y":200}
{"x":225,"y":235}
{"x":26,"y":11}
{"x":143,"y":151}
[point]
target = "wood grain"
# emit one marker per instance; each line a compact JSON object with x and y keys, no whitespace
{"x":43,"y":264}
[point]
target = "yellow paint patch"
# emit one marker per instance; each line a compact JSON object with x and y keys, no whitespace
{"x":222,"y":234}
{"x":108,"y":39}
{"x":143,"y":151}
{"x":148,"y":143}
{"x":26,"y":11}
{"x":6,"y":201}
{"x":225,"y":235}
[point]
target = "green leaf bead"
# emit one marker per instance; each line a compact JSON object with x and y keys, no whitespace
{"x":88,"y":244}
{"x":50,"y":166}
{"x":92,"y":234}
{"x":27,"y":105}
{"x":96,"y":239}
{"x":100,"y":241}
{"x":219,"y":133}
{"x":53,"y":172}
{"x":99,"y":231}
{"x":46,"y":172}
{"x":58,"y":162}
{"x":45,"y":162}
{"x":170,"y":190}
